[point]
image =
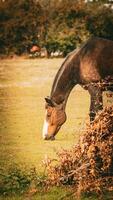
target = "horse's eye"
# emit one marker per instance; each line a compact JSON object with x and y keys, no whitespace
{"x":48,"y":115}
{"x":46,"y":106}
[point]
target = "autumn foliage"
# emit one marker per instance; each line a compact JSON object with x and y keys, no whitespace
{"x":55,"y":25}
{"x":88,"y":166}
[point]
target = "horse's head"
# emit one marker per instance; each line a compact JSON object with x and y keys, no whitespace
{"x":55,"y":117}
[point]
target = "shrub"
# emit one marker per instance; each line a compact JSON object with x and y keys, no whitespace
{"x":19,"y":181}
{"x":88,"y":166}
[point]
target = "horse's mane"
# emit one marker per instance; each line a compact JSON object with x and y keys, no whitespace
{"x":66,"y":62}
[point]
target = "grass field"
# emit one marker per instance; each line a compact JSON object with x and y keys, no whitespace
{"x":23,"y":85}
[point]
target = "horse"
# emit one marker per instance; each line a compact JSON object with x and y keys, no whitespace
{"x":90,"y":66}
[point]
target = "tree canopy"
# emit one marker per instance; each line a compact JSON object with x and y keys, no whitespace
{"x":56,"y":25}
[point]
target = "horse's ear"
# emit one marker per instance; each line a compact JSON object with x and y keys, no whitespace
{"x":49,"y":101}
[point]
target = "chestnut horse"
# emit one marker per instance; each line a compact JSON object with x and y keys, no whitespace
{"x":90,"y":66}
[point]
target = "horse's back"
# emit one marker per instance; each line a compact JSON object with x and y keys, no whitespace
{"x":96,"y":59}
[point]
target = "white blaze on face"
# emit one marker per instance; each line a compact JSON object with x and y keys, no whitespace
{"x":45,"y":129}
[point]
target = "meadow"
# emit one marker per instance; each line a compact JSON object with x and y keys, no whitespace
{"x":23,"y":85}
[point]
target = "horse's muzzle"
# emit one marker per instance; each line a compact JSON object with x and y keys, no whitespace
{"x":49,"y":138}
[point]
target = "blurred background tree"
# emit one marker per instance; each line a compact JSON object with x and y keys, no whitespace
{"x":100,"y":21}
{"x":56,"y":25}
{"x":20,"y":22}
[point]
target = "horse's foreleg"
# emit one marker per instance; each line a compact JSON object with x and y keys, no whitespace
{"x":96,"y":101}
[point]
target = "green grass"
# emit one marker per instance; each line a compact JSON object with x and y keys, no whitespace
{"x":23,"y":85}
{"x":56,"y":193}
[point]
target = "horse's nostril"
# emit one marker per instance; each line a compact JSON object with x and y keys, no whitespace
{"x":45,"y":138}
{"x":52,"y":138}
{"x":49,"y":138}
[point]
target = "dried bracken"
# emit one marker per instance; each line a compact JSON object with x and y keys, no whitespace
{"x":89,"y":164}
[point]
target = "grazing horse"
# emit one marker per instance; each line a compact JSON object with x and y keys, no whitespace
{"x":90,"y":66}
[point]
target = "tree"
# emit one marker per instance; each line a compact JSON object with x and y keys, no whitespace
{"x":20,"y":24}
{"x":65,"y":25}
{"x":57,"y":25}
{"x":100,"y":21}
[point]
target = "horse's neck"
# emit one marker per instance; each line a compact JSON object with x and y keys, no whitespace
{"x":63,"y":82}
